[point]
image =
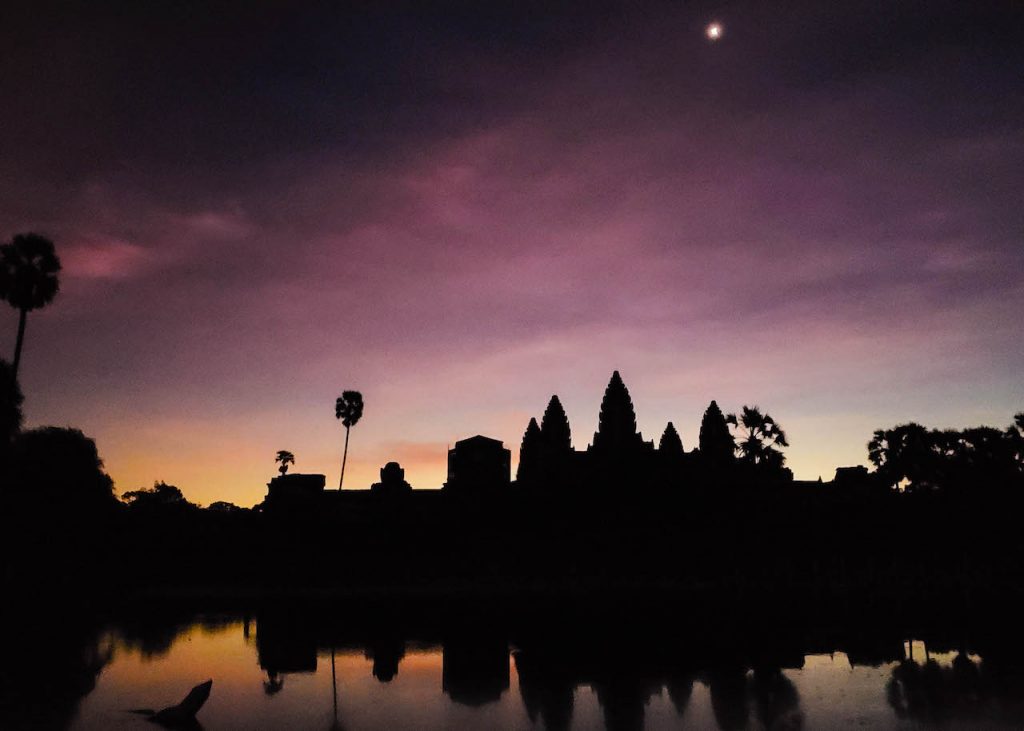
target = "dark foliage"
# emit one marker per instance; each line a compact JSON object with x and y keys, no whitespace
{"x":284,"y":458}
{"x":222,"y":506}
{"x":758,"y":439}
{"x":10,"y":406}
{"x":29,"y":269}
{"x":58,"y":469}
{"x":159,"y":499}
{"x":977,"y":459}
{"x":349,"y":409}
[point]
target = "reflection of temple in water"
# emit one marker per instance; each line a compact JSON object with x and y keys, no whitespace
{"x":386,"y":654}
{"x":285,"y":644}
{"x":747,"y":684}
{"x":741,"y":683}
{"x":474,"y":668}
{"x":548,"y":690}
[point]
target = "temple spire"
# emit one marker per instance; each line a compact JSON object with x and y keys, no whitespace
{"x":617,"y":423}
{"x":530,"y":453}
{"x":555,"y":428}
{"x":670,"y":442}
{"x":716,"y":442}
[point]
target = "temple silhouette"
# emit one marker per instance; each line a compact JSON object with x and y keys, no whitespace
{"x":618,"y":458}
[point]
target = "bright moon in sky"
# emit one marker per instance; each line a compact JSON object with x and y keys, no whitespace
{"x":713,"y":31}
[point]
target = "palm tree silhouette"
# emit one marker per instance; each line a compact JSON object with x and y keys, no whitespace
{"x":759,"y":437}
{"x":28,"y":279}
{"x":285,"y":458}
{"x":348,"y":408}
{"x":10,"y":406}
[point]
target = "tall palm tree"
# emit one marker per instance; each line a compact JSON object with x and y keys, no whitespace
{"x":285,"y":458}
{"x":348,"y":408}
{"x":28,"y":279}
{"x":758,"y":437}
{"x":10,"y":406}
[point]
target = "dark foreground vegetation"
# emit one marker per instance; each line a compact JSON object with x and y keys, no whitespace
{"x":935,"y":529}
{"x":797,"y":553}
{"x":935,"y":526}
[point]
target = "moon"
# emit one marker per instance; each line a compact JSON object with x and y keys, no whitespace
{"x":714,"y":31}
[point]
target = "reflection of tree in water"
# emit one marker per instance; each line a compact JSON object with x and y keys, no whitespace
{"x":680,"y":688}
{"x":623,"y":700}
{"x":776,"y":700}
{"x":767,"y":690}
{"x":728,"y":687}
{"x":151,"y":638}
{"x":547,"y":689}
{"x":153,"y":634}
{"x":386,"y":653}
{"x":47,"y":670}
{"x":963,"y":690}
{"x":932,"y":692}
{"x":474,"y":668}
{"x":274,"y":683}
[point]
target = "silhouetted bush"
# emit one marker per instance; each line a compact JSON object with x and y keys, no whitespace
{"x":161,"y":499}
{"x":226,"y":508}
{"x":56,"y":469}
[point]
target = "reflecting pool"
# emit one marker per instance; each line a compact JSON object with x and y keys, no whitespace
{"x":279,"y":672}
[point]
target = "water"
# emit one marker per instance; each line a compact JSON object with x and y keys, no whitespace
{"x":269,"y":675}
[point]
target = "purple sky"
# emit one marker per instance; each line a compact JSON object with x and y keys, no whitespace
{"x":461,"y":212}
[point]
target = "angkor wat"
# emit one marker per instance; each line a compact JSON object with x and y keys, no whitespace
{"x":618,"y":459}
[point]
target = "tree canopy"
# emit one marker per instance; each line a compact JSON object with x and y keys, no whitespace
{"x":913,"y":457}
{"x":284,"y":458}
{"x":758,"y":438}
{"x":29,"y":269}
{"x":160,"y":498}
{"x":60,"y":468}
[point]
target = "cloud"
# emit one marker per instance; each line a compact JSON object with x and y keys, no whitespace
{"x":101,"y":257}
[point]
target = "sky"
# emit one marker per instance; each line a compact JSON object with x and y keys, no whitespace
{"x":462,"y":209}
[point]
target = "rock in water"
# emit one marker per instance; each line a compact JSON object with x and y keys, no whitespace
{"x":185,"y":712}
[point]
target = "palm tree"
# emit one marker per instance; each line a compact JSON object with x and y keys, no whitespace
{"x":758,"y":437}
{"x":10,"y":406}
{"x":285,"y":458}
{"x":348,"y":408}
{"x":28,"y":279}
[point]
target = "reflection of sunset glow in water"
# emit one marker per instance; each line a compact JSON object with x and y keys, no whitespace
{"x":826,"y":692}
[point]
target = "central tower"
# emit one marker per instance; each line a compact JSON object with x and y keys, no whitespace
{"x":616,"y":429}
